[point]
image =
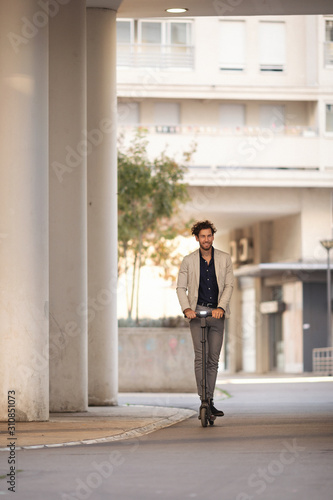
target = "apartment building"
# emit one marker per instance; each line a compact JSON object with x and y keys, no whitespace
{"x":256,"y":96}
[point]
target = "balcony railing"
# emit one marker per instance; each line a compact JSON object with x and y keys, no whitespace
{"x":286,"y":156}
{"x":295,"y":130}
{"x":328,"y":53}
{"x":150,"y":55}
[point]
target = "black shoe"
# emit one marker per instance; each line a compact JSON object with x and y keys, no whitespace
{"x":215,"y":411}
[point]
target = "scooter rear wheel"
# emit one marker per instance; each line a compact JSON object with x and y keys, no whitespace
{"x":203,"y":416}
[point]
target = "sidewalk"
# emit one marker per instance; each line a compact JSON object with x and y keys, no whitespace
{"x":97,"y":425}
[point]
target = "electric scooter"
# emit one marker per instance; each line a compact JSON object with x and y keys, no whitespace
{"x":205,"y":414}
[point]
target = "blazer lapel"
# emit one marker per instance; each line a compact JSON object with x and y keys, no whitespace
{"x":197,"y":268}
{"x":217,"y":264}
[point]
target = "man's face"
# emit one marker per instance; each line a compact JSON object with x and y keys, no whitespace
{"x":205,"y":239}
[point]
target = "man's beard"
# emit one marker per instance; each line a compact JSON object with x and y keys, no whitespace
{"x":207,"y":247}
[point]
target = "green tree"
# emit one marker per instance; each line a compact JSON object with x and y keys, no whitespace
{"x":150,"y":194}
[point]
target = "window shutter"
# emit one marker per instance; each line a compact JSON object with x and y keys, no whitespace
{"x":272,"y":46}
{"x":232,"y":45}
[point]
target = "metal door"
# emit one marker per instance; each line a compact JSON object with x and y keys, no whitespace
{"x":314,"y":320}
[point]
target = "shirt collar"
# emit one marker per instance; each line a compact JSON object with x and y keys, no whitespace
{"x":202,"y":256}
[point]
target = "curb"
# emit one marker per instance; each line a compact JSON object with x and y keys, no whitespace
{"x":179,"y":416}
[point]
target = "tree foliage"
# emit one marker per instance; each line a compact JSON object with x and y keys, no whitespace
{"x":150,"y":194}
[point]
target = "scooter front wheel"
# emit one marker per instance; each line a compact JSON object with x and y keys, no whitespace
{"x":203,"y":416}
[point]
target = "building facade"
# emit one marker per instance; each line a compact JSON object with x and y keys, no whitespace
{"x":256,"y":97}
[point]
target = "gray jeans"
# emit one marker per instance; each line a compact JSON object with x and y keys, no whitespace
{"x":214,"y":337}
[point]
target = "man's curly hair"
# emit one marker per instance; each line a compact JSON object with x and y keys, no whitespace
{"x":204,"y":224}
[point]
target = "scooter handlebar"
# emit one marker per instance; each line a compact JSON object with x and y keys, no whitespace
{"x":203,"y":314}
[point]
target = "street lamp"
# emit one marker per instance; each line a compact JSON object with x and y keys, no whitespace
{"x":328,"y":244}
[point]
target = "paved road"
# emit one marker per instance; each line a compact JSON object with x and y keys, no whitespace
{"x":274,"y":443}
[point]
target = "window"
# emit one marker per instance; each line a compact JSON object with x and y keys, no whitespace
{"x":272,"y":116}
{"x":232,"y":116}
{"x":179,"y":36}
{"x":150,"y":33}
{"x":329,"y":117}
{"x":124,"y":31}
{"x":329,"y":30}
{"x":178,"y":33}
{"x":152,"y":43}
{"x":232,"y":45}
{"x":128,"y":113}
{"x":125,"y":36}
{"x":328,"y":54}
{"x":171,"y":34}
{"x":272,"y":51}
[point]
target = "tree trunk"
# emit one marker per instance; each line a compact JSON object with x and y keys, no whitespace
{"x":126,"y":279}
{"x":133,"y":286}
{"x":138,"y":280}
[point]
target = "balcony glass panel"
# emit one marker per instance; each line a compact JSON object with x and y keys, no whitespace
{"x":155,"y":56}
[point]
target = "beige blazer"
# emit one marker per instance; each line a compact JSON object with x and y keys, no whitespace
{"x":189,"y":276}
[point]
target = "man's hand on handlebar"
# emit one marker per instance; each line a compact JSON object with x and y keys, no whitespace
{"x":217,"y":313}
{"x":190,"y":314}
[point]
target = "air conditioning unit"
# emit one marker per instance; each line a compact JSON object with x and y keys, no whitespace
{"x":245,"y":250}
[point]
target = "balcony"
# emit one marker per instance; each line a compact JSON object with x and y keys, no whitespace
{"x":150,"y":55}
{"x":289,"y":156}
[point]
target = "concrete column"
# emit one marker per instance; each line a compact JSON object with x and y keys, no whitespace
{"x":24,"y":364}
{"x":262,"y":235}
{"x":69,"y":147}
{"x":102,"y":207}
{"x":249,"y":324}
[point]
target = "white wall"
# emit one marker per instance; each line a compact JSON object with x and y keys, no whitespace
{"x":316,"y":222}
{"x":286,"y":239}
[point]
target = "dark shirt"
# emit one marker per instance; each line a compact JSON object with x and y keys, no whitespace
{"x":208,"y":287}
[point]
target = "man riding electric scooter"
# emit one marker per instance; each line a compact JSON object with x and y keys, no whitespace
{"x":205,"y":283}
